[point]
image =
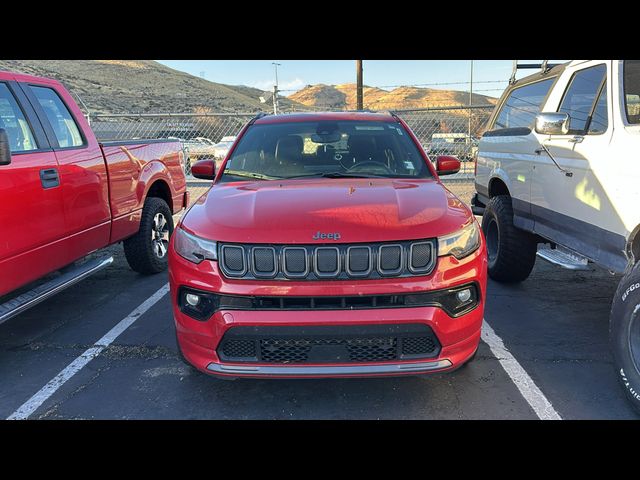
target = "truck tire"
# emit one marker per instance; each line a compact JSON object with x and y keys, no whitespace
{"x":511,"y":252}
{"x":624,"y":334}
{"x":147,"y":250}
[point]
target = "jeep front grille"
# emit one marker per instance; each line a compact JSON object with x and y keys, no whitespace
{"x":328,"y":262}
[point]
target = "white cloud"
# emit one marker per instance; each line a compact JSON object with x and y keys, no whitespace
{"x":267,"y":85}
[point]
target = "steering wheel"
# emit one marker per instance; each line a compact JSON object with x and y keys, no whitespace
{"x":358,"y":167}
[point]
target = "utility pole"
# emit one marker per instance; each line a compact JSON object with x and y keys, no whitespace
{"x":275,"y":90}
{"x":470,"y":103}
{"x":359,"y":96}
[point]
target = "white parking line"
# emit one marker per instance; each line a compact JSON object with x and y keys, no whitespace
{"x":529,"y":390}
{"x":31,"y":405}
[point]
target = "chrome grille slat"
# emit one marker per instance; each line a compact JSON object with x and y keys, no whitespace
{"x":328,"y":261}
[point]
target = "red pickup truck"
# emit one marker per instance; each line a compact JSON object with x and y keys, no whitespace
{"x":64,"y":195}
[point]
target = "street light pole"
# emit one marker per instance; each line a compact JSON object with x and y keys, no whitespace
{"x":470,"y":103}
{"x":359,"y":96}
{"x":275,"y":89}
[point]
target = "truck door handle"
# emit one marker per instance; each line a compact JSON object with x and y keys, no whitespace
{"x":49,"y":178}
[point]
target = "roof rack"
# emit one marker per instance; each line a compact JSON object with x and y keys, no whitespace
{"x":544,"y":67}
{"x":257,"y":117}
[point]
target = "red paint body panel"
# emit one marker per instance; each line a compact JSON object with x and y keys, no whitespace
{"x":98,"y":200}
{"x":459,"y":336}
{"x":362,"y":210}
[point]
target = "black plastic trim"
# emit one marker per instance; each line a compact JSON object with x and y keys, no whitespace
{"x":433,"y":298}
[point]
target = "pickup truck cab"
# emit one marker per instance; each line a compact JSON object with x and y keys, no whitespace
{"x":327,"y":246}
{"x":558,"y":175}
{"x":64,"y":195}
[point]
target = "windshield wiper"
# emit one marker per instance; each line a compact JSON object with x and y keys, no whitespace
{"x":238,"y":173}
{"x":337,"y":175}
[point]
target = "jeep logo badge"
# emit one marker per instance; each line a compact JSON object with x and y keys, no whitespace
{"x":327,"y":236}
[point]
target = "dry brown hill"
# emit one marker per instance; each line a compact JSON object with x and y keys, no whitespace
{"x":143,"y":86}
{"x":344,"y":97}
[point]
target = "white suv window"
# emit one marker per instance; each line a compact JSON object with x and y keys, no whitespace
{"x":632,"y":90}
{"x":580,"y":96}
{"x":522,"y":105}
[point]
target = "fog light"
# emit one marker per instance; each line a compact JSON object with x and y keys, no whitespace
{"x":192,"y":299}
{"x":464,"y":296}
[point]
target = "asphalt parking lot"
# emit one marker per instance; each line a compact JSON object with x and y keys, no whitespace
{"x":556,"y":362}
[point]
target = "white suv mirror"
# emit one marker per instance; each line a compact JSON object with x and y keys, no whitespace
{"x":552,"y":123}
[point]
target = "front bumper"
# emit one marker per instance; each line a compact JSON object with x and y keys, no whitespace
{"x":329,"y":370}
{"x":458,"y":337}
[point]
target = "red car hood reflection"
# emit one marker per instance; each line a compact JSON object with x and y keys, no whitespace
{"x":293,"y":211}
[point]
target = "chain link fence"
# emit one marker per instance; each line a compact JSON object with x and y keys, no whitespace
{"x":443,"y":130}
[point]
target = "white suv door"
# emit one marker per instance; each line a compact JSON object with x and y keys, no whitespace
{"x":569,"y":202}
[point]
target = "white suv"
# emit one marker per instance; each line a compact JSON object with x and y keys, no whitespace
{"x":560,"y":165}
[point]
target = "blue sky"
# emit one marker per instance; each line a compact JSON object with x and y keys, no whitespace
{"x":489,"y":76}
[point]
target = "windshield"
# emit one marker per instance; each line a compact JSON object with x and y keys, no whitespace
{"x":325,"y":148}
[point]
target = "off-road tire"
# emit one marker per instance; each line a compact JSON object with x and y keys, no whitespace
{"x":624,"y":334}
{"x":139,"y":249}
{"x":511,"y":251}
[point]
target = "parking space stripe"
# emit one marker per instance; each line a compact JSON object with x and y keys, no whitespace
{"x":529,"y":390}
{"x":31,"y":405}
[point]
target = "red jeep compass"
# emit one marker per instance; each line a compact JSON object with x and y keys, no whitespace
{"x":327,"y":246}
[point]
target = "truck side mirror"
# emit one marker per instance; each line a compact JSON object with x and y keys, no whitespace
{"x":5,"y":150}
{"x":204,"y":169}
{"x":552,"y":123}
{"x":447,"y":165}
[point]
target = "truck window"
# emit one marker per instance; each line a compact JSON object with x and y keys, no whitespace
{"x":599,"y":119}
{"x":64,"y":126}
{"x":580,"y":96}
{"x":12,"y":120}
{"x":632,"y":90}
{"x":522,"y":105}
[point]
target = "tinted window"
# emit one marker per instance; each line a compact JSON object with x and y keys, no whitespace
{"x":61,"y":120}
{"x":600,"y":120}
{"x":12,"y":120}
{"x":632,"y":90}
{"x":522,"y":105}
{"x":580,"y":95}
{"x":286,"y":150}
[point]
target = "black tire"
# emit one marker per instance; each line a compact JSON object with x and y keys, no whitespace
{"x":511,"y":252}
{"x":143,"y":252}
{"x":624,"y":334}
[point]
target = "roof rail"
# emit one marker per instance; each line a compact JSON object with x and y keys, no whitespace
{"x":257,"y":117}
{"x":544,"y":67}
{"x":393,"y":114}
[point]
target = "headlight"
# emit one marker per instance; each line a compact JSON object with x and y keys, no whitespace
{"x":461,"y":243}
{"x":194,"y":249}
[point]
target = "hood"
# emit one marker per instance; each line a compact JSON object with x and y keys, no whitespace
{"x":357,"y":210}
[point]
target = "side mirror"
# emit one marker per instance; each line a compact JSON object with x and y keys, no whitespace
{"x":5,"y":151}
{"x":447,"y":165}
{"x":552,"y":123}
{"x":204,"y":169}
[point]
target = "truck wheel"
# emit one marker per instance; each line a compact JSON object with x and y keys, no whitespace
{"x":511,"y":251}
{"x":146,"y":251}
{"x":624,"y":333}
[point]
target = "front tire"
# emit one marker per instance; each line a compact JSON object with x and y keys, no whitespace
{"x":511,"y":252}
{"x":146,"y":251}
{"x":624,"y":334}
